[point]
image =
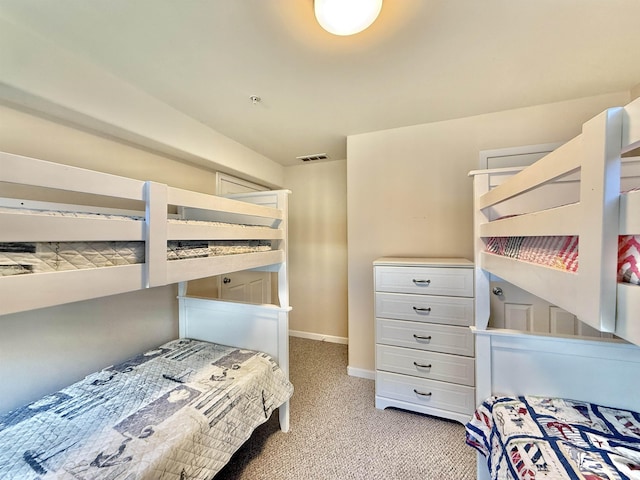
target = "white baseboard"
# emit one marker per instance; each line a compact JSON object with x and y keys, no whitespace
{"x":319,"y":336}
{"x":361,"y":373}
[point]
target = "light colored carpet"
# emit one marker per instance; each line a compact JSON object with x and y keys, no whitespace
{"x":337,"y":433}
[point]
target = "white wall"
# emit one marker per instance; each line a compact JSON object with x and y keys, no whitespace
{"x":45,"y":350}
{"x":408,"y":193}
{"x":318,"y":249}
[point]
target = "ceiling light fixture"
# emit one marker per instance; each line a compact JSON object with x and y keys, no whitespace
{"x":346,"y":17}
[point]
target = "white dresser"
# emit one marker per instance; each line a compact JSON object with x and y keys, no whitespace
{"x":424,"y":347}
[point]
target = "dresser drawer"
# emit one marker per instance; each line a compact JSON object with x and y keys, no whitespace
{"x":425,"y":336}
{"x":425,"y":308}
{"x":456,"y":282}
{"x":431,"y":365}
{"x":420,"y":391}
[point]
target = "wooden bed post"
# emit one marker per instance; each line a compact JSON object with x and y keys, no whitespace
{"x":482,"y":278}
{"x":156,"y":234}
{"x":599,"y":200}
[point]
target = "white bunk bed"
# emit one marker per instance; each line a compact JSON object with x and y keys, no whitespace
{"x":573,"y":191}
{"x":154,"y":217}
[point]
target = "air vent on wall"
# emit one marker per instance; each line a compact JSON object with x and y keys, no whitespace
{"x":311,"y":158}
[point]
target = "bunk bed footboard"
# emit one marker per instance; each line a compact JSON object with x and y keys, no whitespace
{"x":254,"y":327}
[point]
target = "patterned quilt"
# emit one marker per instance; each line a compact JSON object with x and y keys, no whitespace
{"x":562,"y":253}
{"x":549,"y":438}
{"x":177,"y":412}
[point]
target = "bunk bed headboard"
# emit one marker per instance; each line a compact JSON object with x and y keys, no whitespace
{"x":596,"y":371}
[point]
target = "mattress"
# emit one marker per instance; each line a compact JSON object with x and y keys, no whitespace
{"x":176,"y":412}
{"x":41,"y":257}
{"x":562,"y":252}
{"x":549,"y":438}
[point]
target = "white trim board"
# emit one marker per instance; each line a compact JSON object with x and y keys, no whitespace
{"x":361,"y":373}
{"x":319,"y":336}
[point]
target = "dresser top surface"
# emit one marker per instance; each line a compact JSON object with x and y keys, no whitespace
{"x":423,"y":262}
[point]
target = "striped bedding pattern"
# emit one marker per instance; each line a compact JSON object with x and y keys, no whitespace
{"x":562,"y":252}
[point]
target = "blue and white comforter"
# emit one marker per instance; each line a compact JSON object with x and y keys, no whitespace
{"x":550,"y":438}
{"x":177,"y":412}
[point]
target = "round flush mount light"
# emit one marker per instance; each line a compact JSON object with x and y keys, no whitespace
{"x":346,"y":17}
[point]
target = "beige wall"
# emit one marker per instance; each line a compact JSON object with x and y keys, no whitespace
{"x":44,"y":350}
{"x":318,"y":249}
{"x":26,"y":134}
{"x":408,"y":193}
{"x":36,"y":73}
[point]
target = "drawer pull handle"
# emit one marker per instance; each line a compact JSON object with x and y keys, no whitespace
{"x":422,"y":394}
{"x":420,"y":365}
{"x":422,"y":309}
{"x":421,"y":282}
{"x":422,"y":337}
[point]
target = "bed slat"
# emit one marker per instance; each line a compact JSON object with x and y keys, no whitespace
{"x":202,"y":232}
{"x":558,"y":287}
{"x":185,"y":198}
{"x":565,"y":159}
{"x":18,"y":227}
{"x":40,"y":173}
{"x":31,"y":291}
{"x":193,"y":268}
{"x":556,"y":221}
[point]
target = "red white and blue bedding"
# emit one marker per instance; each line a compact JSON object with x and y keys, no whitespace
{"x":176,"y":412}
{"x":528,"y":438}
{"x":561,"y":252}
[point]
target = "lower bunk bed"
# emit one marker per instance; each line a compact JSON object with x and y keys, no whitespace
{"x":177,"y":411}
{"x":530,"y":437}
{"x":555,"y":408}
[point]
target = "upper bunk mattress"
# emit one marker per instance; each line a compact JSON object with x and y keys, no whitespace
{"x":178,"y":411}
{"x":549,"y":438}
{"x":41,"y":257}
{"x":562,"y":252}
{"x":19,"y":258}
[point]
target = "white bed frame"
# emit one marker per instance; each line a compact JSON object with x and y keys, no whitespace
{"x":574,"y":190}
{"x":257,"y":327}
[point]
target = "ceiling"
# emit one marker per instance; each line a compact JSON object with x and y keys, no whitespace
{"x":422,"y":61}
